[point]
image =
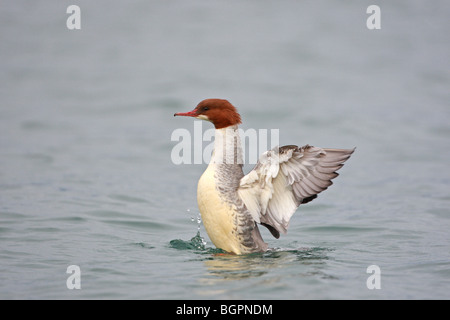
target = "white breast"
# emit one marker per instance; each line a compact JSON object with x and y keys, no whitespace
{"x":218,"y":216}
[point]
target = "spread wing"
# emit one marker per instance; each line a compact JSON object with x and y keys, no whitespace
{"x":284,"y":178}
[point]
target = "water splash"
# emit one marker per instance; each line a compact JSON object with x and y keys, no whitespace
{"x":199,"y":220}
{"x":199,"y":242}
{"x":195,"y":243}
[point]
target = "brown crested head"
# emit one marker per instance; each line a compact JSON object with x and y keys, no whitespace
{"x":219,"y":111}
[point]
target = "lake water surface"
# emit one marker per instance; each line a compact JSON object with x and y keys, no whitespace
{"x":86,"y":118}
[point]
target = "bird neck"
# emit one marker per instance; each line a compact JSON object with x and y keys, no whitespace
{"x":227,"y":147}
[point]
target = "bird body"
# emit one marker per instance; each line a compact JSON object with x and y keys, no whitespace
{"x":233,"y":204}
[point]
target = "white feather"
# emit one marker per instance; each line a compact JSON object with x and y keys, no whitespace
{"x":286,"y":176}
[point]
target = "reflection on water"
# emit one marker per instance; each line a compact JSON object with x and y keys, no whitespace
{"x":235,"y":267}
{"x":223,"y":266}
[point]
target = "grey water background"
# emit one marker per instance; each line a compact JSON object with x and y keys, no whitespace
{"x":86,"y":118}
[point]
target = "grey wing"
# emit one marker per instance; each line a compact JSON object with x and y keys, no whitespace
{"x":286,"y":177}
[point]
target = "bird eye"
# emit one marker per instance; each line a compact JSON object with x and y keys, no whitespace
{"x":205,"y":108}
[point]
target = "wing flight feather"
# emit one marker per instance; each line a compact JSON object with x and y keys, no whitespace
{"x":284,"y":178}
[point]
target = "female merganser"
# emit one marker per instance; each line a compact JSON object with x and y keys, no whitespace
{"x":231,"y":203}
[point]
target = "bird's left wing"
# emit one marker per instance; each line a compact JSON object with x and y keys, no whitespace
{"x":284,"y":178}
